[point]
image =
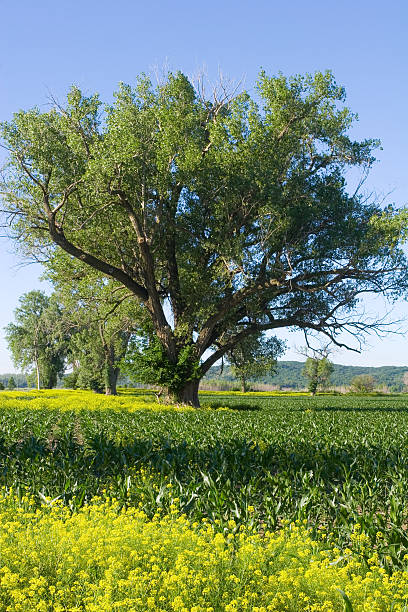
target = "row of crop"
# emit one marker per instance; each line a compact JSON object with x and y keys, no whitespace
{"x":331,"y":464}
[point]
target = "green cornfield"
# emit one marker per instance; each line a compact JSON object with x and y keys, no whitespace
{"x":332,"y":466}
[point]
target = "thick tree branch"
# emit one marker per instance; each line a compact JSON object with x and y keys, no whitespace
{"x":59,"y":238}
{"x":153,"y":301}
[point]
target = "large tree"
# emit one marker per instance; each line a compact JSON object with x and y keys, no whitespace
{"x":223,"y":216}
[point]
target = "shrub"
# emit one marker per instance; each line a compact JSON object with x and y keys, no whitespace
{"x":364,"y":383}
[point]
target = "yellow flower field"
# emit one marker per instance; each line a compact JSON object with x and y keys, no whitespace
{"x":103,"y":558}
{"x":59,"y":399}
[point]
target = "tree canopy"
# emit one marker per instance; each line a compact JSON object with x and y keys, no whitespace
{"x":224,"y":216}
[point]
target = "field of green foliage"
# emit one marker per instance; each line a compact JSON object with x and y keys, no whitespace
{"x":279,"y":485}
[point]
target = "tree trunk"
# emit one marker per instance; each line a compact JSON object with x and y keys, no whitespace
{"x":111,"y":380}
{"x":188,"y":394}
{"x":51,"y":380}
{"x":243,"y":384}
{"x":38,"y":374}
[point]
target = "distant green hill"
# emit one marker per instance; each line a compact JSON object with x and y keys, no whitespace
{"x":289,"y":374}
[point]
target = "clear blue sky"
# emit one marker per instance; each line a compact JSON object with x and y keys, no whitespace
{"x":47,"y":46}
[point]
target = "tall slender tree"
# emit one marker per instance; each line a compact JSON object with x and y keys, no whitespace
{"x":37,"y":338}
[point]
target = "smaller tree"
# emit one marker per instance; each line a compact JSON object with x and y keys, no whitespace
{"x":318,"y":370}
{"x":36,"y":339}
{"x":363,"y":383}
{"x":1,"y":386}
{"x":70,"y":380}
{"x":11,"y":385}
{"x":254,"y":356}
{"x":99,"y":317}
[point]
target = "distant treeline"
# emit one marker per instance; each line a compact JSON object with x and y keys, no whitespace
{"x":28,"y":380}
{"x":289,"y":375}
{"x":19,"y":379}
